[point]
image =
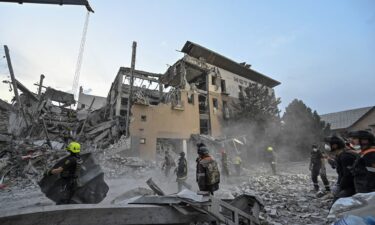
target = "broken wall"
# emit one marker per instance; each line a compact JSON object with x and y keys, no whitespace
{"x":163,"y":121}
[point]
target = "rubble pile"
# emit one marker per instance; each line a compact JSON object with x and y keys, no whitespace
{"x":287,"y":199}
{"x":115,"y":162}
{"x":97,"y":130}
{"x":23,"y":164}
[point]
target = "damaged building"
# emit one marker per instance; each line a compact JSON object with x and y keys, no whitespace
{"x":85,"y":100}
{"x":193,"y":97}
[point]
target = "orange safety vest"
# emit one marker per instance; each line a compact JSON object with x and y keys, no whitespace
{"x":363,"y":153}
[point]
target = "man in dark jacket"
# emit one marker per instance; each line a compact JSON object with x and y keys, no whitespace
{"x":317,"y":168}
{"x":344,"y":161}
{"x":224,"y":164}
{"x":69,"y":173}
{"x":181,"y":172}
{"x":168,"y":163}
{"x":207,"y":174}
{"x":364,"y":167}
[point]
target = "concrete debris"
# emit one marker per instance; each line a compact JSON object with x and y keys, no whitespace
{"x":23,"y":164}
{"x":125,"y":197}
{"x":116,"y":163}
{"x":286,"y":199}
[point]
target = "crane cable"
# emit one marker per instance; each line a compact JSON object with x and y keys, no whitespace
{"x":80,"y":56}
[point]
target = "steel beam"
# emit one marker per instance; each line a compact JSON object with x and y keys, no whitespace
{"x":99,"y":215}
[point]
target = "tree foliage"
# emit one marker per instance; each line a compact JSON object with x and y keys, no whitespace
{"x":301,"y":128}
{"x":257,"y":105}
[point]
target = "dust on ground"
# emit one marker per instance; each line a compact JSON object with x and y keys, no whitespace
{"x":286,"y":196}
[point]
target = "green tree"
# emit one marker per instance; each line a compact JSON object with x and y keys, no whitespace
{"x":256,"y":115}
{"x":257,"y":105}
{"x":301,"y":128}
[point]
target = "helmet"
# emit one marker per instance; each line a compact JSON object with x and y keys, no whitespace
{"x":182,"y":154}
{"x":314,"y":146}
{"x":353,"y":134}
{"x":364,"y":134}
{"x":74,"y":147}
{"x":202,"y":150}
{"x":270,"y":149}
{"x":338,"y":141}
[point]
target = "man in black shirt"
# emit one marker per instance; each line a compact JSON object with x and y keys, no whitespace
{"x":364,"y":167}
{"x":317,"y":168}
{"x":69,"y":173}
{"x":181,"y":172}
{"x":344,"y":161}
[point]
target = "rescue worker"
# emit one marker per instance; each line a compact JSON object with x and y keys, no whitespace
{"x":181,"y":172}
{"x":271,"y":159}
{"x":69,"y":173}
{"x":167,"y":164}
{"x":237,"y":164}
{"x":317,"y":168}
{"x":364,"y":166}
{"x":344,"y":160}
{"x":207,"y":174}
{"x":224,"y":164}
{"x":353,"y":141}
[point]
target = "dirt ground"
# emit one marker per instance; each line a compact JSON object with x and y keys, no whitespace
{"x":286,"y":196}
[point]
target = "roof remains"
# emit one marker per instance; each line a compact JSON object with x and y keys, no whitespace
{"x":345,"y":119}
{"x":58,"y":2}
{"x":218,"y":60}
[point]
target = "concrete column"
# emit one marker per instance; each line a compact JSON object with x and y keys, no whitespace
{"x":184,"y":146}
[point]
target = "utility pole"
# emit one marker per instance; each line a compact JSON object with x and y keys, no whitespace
{"x":14,"y":82}
{"x":130,"y":99}
{"x":20,"y":109}
{"x":40,"y":85}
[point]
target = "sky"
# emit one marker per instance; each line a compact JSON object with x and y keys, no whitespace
{"x":322,"y":52}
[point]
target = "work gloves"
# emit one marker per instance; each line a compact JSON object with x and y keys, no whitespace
{"x":47,"y":173}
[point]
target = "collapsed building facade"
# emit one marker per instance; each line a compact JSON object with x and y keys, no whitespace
{"x":193,"y":97}
{"x":190,"y":101}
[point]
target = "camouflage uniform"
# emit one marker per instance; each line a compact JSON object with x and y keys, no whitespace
{"x":208,"y":175}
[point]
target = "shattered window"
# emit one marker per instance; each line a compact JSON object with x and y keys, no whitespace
{"x":223,"y":86}
{"x":191,"y":99}
{"x":215,"y":103}
{"x":123,"y":112}
{"x":124,"y":101}
{"x":240,"y":88}
{"x":213,"y":80}
{"x":225,"y":110}
{"x":203,"y":126}
{"x":143,"y":117}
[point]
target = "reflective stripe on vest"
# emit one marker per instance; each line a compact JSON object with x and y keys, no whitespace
{"x":367,"y":151}
{"x":371,"y":169}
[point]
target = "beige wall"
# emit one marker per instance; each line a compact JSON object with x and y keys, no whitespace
{"x":216,"y":115}
{"x":164,"y":122}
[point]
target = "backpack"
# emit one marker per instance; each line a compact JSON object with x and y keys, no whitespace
{"x":213,"y":173}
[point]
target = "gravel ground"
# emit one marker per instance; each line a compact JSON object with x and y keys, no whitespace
{"x":286,"y":196}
